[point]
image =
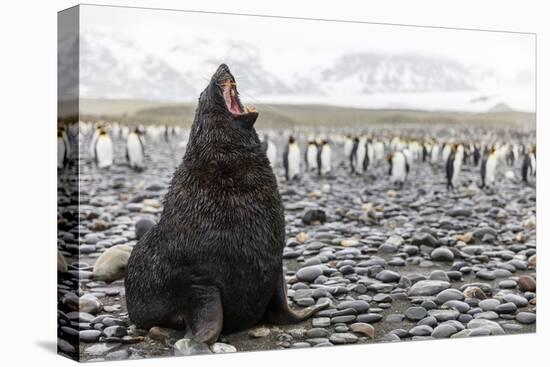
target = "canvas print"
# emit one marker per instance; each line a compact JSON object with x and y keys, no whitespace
{"x":232,"y":183}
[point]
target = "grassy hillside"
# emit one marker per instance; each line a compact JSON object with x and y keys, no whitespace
{"x":285,"y":116}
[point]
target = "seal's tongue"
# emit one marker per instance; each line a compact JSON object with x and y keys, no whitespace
{"x":231,"y":98}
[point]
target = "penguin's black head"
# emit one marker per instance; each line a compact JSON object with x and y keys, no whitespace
{"x":220,"y":102}
{"x":291,"y":140}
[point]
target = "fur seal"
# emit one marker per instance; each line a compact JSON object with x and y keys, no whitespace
{"x":213,"y":262}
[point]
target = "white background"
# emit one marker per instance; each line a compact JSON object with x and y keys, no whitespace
{"x":28,"y":182}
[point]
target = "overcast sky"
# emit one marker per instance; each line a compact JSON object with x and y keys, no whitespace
{"x":296,"y":46}
{"x":510,"y":54}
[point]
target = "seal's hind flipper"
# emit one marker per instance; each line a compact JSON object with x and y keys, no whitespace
{"x":204,"y":317}
{"x":278,"y":312}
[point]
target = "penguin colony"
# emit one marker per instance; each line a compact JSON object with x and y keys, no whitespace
{"x":495,"y":156}
{"x":101,"y":141}
{"x":294,"y":154}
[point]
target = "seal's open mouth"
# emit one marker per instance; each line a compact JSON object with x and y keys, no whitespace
{"x":231,"y":98}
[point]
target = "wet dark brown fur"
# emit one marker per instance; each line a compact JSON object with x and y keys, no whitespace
{"x":214,"y":260}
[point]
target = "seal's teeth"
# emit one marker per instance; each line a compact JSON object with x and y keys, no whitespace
{"x":250,"y":109}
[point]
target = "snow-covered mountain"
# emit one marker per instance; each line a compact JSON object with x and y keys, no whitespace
{"x":382,"y":73}
{"x":115,"y":66}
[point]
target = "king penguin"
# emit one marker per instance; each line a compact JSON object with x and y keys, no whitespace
{"x":63,"y":148}
{"x":529,"y":166}
{"x":510,"y":155}
{"x":434,"y":153}
{"x":416,"y":149}
{"x":124,"y":131}
{"x":489,"y":167}
{"x":425,"y":151}
{"x":324,"y":158}
{"x":369,"y":154}
{"x":399,"y":168}
{"x":115,"y":131}
{"x":476,"y":154}
{"x":454,"y":165}
{"x":467,"y":154}
{"x":379,"y":148}
{"x":270,"y":150}
{"x":348,"y":145}
{"x":312,"y":151}
{"x":409,"y":156}
{"x":103,"y":149}
{"x":135,"y":152}
{"x":445,"y":152}
{"x":291,"y":159}
{"x":353,"y":155}
{"x":361,"y":155}
{"x":95,"y":135}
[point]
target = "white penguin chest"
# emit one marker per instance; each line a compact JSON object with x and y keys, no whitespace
{"x":399,"y":167}
{"x":361,"y":151}
{"x":325,"y":159}
{"x":293,"y":160}
{"x":271,"y":153}
{"x":457,"y":165}
{"x":104,"y":151}
{"x":490,"y":169}
{"x":378,"y":151}
{"x":135,"y":151}
{"x":348,"y":146}
{"x":61,"y":152}
{"x":311,"y":156}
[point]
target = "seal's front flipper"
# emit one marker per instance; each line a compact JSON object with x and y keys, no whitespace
{"x":204,"y":316}
{"x":279,"y":313}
